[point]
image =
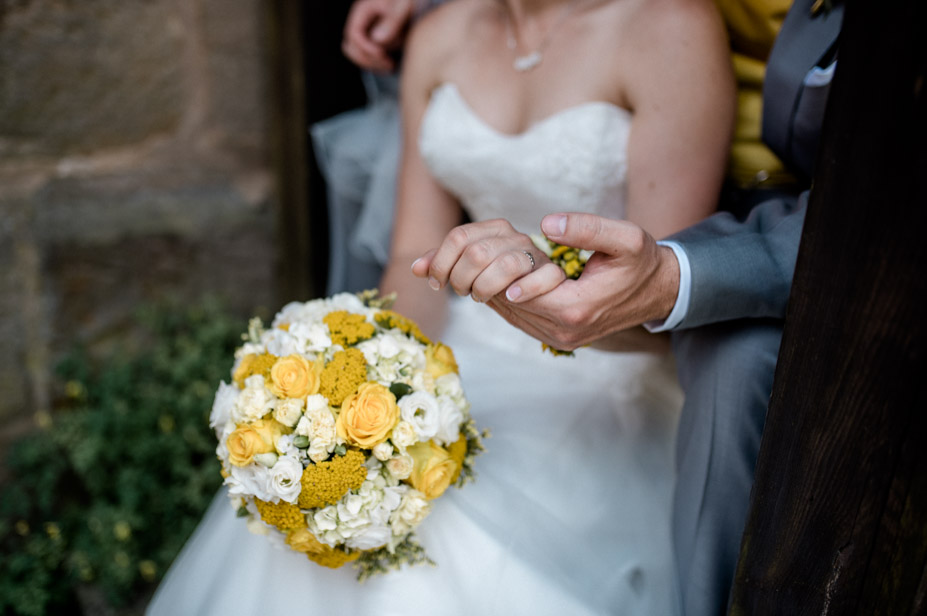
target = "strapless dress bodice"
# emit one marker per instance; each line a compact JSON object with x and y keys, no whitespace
{"x":573,"y":160}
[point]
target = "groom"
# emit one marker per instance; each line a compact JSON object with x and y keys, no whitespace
{"x":721,"y":288}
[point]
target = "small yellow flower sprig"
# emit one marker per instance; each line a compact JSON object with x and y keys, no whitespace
{"x":571,"y":261}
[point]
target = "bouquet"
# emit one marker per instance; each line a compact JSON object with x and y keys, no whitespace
{"x":342,"y":424}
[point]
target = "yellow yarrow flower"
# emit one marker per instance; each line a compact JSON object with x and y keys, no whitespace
{"x":332,"y":557}
{"x":326,"y":482}
{"x":283,"y":515}
{"x":254,"y":364}
{"x":388,"y":319}
{"x":343,"y":375}
{"x":347,"y":328}
{"x":302,"y":540}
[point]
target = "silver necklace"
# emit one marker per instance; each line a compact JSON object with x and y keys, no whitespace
{"x":528,"y":61}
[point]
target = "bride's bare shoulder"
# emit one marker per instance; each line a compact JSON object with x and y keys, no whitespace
{"x":446,"y":30}
{"x":451,"y":22}
{"x":674,"y":22}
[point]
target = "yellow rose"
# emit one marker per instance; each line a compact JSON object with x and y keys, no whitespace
{"x":439,"y":360}
{"x":295,"y":377}
{"x":368,"y":415}
{"x":249,"y":440}
{"x":432,"y":469}
{"x":458,"y":452}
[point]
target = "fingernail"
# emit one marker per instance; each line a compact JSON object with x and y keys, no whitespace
{"x":554,"y":225}
{"x":513,"y":293}
{"x":380,"y":33}
{"x":433,"y":283}
{"x":414,"y":263}
{"x":476,"y":299}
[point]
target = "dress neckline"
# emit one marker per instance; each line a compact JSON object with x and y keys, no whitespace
{"x":452,"y":88}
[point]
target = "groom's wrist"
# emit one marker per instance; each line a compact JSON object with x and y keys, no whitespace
{"x":671,"y":288}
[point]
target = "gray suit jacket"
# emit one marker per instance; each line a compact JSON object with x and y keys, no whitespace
{"x":743,"y":269}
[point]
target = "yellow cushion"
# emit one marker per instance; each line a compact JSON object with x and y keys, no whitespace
{"x":752,"y":27}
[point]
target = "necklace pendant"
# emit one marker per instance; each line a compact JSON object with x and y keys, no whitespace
{"x":526,"y":63}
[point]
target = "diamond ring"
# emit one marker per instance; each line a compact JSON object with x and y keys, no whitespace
{"x":530,"y":257}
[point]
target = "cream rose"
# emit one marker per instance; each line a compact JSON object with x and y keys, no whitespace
{"x":383,"y":451}
{"x":400,"y":466}
{"x":410,"y":513}
{"x":368,"y":415}
{"x":288,"y":411}
{"x":432,"y":470}
{"x":255,"y":400}
{"x":404,"y":435}
{"x":294,"y":376}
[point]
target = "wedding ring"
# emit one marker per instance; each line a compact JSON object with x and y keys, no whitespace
{"x":530,"y":257}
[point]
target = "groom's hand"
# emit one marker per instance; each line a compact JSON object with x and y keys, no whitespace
{"x":629,"y":280}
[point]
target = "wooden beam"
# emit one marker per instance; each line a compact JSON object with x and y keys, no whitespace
{"x":838,"y":520}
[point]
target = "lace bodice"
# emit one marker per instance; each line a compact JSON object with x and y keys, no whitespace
{"x":573,"y":160}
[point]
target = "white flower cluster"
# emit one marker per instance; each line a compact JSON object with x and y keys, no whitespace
{"x":382,"y":512}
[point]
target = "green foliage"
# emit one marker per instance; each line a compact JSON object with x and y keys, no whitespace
{"x":106,"y":493}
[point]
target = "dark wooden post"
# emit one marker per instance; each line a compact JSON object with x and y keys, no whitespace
{"x":838,"y":520}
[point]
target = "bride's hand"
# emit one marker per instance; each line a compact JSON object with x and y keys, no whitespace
{"x":482,"y":259}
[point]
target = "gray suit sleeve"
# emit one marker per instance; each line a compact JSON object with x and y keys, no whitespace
{"x":743,"y":269}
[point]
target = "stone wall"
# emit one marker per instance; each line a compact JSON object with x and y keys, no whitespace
{"x":134,"y":166}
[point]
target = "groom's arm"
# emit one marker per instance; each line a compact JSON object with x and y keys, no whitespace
{"x":741,"y":269}
{"x":737,"y":269}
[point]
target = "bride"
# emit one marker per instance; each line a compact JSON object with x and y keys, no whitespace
{"x":512,"y":109}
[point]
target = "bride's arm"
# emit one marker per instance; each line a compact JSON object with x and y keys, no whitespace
{"x":425,"y":212}
{"x":683,"y":99}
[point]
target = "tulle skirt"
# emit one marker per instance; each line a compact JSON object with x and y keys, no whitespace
{"x":570,"y":513}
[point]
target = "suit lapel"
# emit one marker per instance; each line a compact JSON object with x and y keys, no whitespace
{"x":801,"y":44}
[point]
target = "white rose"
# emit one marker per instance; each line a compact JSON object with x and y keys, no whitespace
{"x":223,"y":405}
{"x":449,"y":423}
{"x":288,"y":411}
{"x":410,"y":513}
{"x":285,"y":478}
{"x":400,"y":466}
{"x":404,"y":435}
{"x":383,"y":451}
{"x":421,"y":409}
{"x":251,"y":480}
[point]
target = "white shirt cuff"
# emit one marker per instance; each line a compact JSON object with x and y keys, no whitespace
{"x":681,"y":307}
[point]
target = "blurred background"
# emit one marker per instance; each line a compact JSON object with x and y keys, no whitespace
{"x":157,"y":188}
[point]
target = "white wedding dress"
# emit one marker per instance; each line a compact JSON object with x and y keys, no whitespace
{"x":570,"y":513}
